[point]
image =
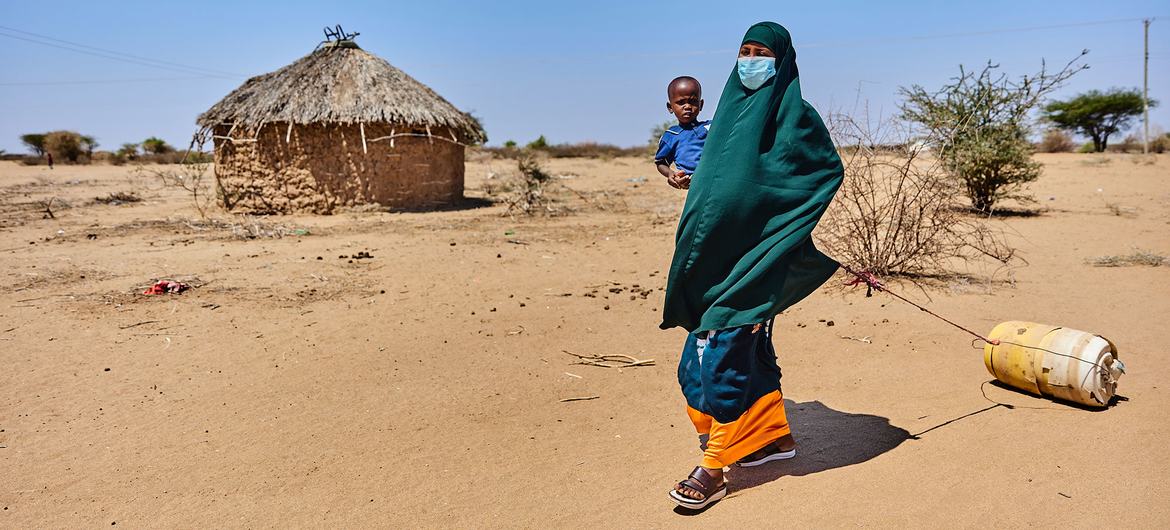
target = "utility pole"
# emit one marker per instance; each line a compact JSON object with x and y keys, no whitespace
{"x":1146,"y":88}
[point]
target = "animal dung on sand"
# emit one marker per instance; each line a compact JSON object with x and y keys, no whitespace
{"x":1054,"y":362}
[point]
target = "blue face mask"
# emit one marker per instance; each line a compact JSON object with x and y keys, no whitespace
{"x":755,"y":71}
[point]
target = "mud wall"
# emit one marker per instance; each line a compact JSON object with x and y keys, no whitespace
{"x":322,"y":167}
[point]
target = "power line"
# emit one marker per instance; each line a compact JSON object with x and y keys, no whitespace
{"x":110,"y":54}
{"x":106,"y":81}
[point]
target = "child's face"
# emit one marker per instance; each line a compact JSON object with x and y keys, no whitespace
{"x":685,"y":100}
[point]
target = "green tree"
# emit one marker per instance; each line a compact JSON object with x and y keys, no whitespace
{"x":128,"y":150}
{"x":88,"y":144}
{"x":35,"y":142}
{"x":1097,"y":114}
{"x":979,"y":124}
{"x":657,"y":131}
{"x":539,"y":143}
{"x":156,"y":146}
{"x":64,"y":145}
{"x":510,"y":144}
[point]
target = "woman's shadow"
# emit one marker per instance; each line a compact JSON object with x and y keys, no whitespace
{"x":826,"y":439}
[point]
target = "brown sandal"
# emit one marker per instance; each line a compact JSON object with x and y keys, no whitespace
{"x":703,"y":483}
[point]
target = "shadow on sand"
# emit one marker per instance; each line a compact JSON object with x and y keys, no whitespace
{"x":826,"y":439}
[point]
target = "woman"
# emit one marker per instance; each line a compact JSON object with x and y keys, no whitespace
{"x":743,"y":254}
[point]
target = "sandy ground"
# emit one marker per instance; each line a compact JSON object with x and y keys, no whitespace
{"x":422,"y":387}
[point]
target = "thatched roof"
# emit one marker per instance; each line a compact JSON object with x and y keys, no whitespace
{"x":339,"y":84}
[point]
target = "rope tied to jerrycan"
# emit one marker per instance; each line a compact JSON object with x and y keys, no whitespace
{"x":872,"y":283}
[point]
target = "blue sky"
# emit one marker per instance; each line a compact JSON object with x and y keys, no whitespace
{"x":570,"y":71}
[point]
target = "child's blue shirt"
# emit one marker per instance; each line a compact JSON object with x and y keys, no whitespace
{"x":682,"y":146}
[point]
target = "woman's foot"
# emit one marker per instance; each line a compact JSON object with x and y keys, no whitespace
{"x":781,"y":449}
{"x":703,"y":487}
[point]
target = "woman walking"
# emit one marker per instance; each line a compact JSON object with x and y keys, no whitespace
{"x":743,"y":254}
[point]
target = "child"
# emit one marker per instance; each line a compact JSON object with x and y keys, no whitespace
{"x":682,"y":144}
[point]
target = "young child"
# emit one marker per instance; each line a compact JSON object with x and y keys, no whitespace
{"x":682,"y":144}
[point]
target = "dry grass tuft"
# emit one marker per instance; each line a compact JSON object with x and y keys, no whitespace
{"x":1137,"y":258}
{"x":118,"y":197}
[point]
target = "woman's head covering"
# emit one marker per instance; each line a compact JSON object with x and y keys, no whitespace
{"x":743,"y":250}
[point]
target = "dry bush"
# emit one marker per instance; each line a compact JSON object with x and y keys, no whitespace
{"x":118,"y":197}
{"x":530,"y":189}
{"x":1056,"y":141}
{"x":1138,"y":257}
{"x":191,"y":176}
{"x":1132,"y":143}
{"x":575,"y":150}
{"x":898,"y":212}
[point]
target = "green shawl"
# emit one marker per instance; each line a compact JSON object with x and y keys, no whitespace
{"x":743,"y":251}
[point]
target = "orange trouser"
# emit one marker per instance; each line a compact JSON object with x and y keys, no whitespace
{"x":762,"y":423}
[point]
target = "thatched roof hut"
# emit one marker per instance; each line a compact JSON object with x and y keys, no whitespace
{"x":339,"y":127}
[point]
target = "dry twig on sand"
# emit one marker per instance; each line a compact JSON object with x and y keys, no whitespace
{"x":615,"y":360}
{"x":583,"y":398}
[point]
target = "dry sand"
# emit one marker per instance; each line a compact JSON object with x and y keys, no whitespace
{"x":421,"y":387}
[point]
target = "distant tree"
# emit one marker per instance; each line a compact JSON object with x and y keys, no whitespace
{"x":539,"y":143}
{"x":979,"y":125}
{"x":128,"y":150}
{"x":657,"y":131}
{"x":478,"y":123}
{"x":88,"y":144}
{"x":65,"y":146}
{"x":156,"y":146}
{"x":1097,"y":114}
{"x":35,"y":142}
{"x":510,"y":144}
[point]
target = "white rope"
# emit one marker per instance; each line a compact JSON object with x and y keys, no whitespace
{"x":392,"y":136}
{"x":234,"y":140}
{"x":362,"y":126}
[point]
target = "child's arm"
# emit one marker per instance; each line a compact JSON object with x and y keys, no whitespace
{"x":663,"y":159}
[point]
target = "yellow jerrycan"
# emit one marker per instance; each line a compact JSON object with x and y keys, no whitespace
{"x":1055,"y":362}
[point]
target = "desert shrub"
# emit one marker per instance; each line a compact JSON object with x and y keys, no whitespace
{"x":539,"y":143}
{"x":574,"y":150}
{"x":1086,"y":147}
{"x":529,"y":194}
{"x":191,"y":175}
{"x":979,"y":124}
{"x":65,"y":146}
{"x":897,"y":212}
{"x":1139,"y":257}
{"x":510,"y":144}
{"x":592,"y":150}
{"x":1132,"y":143}
{"x":1056,"y":141}
{"x":118,"y":197}
{"x":1160,"y":143}
{"x":106,"y":157}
